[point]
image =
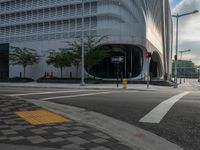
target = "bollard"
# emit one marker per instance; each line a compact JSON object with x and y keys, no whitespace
{"x":124,"y":83}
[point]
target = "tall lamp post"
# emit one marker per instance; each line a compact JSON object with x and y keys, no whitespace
{"x":181,"y":53}
{"x":82,"y":50}
{"x":176,"y":56}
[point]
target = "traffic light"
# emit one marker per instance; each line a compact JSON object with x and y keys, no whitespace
{"x":175,"y":57}
{"x":148,"y":54}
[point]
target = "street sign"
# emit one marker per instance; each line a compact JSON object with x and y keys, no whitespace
{"x":117,"y":59}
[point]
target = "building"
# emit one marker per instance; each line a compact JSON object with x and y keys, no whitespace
{"x":133,"y":27}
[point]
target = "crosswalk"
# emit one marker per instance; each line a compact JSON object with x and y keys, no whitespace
{"x":193,"y":83}
{"x":169,"y":113}
{"x":52,"y":92}
{"x":64,"y":94}
{"x":158,"y":113}
{"x":155,"y":115}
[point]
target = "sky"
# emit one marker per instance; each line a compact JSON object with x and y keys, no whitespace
{"x":189,"y":28}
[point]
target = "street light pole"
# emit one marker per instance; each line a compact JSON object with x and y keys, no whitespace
{"x":82,"y":50}
{"x":176,"y":56}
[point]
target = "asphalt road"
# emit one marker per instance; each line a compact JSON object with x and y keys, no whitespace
{"x":181,"y":125}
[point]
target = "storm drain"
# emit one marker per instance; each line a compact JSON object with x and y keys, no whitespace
{"x":41,"y":117}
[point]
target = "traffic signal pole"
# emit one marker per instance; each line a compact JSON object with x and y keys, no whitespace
{"x":148,"y":76}
{"x":148,"y":56}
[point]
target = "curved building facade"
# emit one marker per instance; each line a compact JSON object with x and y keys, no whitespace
{"x":133,"y":27}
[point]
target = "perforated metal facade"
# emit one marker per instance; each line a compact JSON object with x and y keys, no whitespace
{"x":30,"y":20}
{"x":47,"y":24}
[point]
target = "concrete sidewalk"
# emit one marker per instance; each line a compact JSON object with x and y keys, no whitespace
{"x":19,"y":134}
{"x":87,"y":86}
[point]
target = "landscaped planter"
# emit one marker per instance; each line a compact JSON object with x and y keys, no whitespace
{"x":66,"y":80}
{"x":98,"y":81}
{"x":23,"y":80}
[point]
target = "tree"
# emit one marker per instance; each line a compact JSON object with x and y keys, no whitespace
{"x":94,"y":52}
{"x":23,"y":57}
{"x":60,"y":59}
{"x":75,"y":50}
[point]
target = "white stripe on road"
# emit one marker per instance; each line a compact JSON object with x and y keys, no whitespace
{"x":157,"y":114}
{"x":82,"y":95}
{"x":54,"y":92}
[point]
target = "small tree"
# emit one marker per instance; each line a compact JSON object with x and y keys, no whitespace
{"x":23,"y":57}
{"x":94,"y":52}
{"x":59,"y":60}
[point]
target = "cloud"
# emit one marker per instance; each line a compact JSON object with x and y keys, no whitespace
{"x":189,"y":28}
{"x":190,"y":56}
{"x":174,"y":2}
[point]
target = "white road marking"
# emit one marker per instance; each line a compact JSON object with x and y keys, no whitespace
{"x":82,"y":95}
{"x":157,"y":114}
{"x":5,"y":90}
{"x":53,"y":92}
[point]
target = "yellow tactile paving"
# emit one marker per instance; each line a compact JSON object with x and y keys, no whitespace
{"x":40,"y":117}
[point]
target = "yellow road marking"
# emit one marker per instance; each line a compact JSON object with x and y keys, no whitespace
{"x":40,"y":117}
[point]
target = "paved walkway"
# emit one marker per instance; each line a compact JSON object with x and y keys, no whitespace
{"x":88,"y":86}
{"x":18,"y":134}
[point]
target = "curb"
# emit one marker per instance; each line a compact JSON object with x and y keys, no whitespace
{"x":86,"y":87}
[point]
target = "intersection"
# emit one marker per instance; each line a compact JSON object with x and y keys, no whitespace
{"x":178,"y":109}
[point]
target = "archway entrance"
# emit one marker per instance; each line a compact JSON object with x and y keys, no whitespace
{"x":131,"y":66}
{"x":155,"y":66}
{"x":4,"y":61}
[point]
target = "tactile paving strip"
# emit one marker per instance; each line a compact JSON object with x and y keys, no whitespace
{"x":41,"y":117}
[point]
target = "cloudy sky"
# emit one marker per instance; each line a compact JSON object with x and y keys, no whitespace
{"x":189,"y":31}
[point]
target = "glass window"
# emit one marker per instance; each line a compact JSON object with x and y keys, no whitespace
{"x":72,"y":10}
{"x":72,"y":25}
{"x":2,"y":6}
{"x":65,"y":11}
{"x":59,"y":26}
{"x":65,"y":25}
{"x":53,"y":27}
